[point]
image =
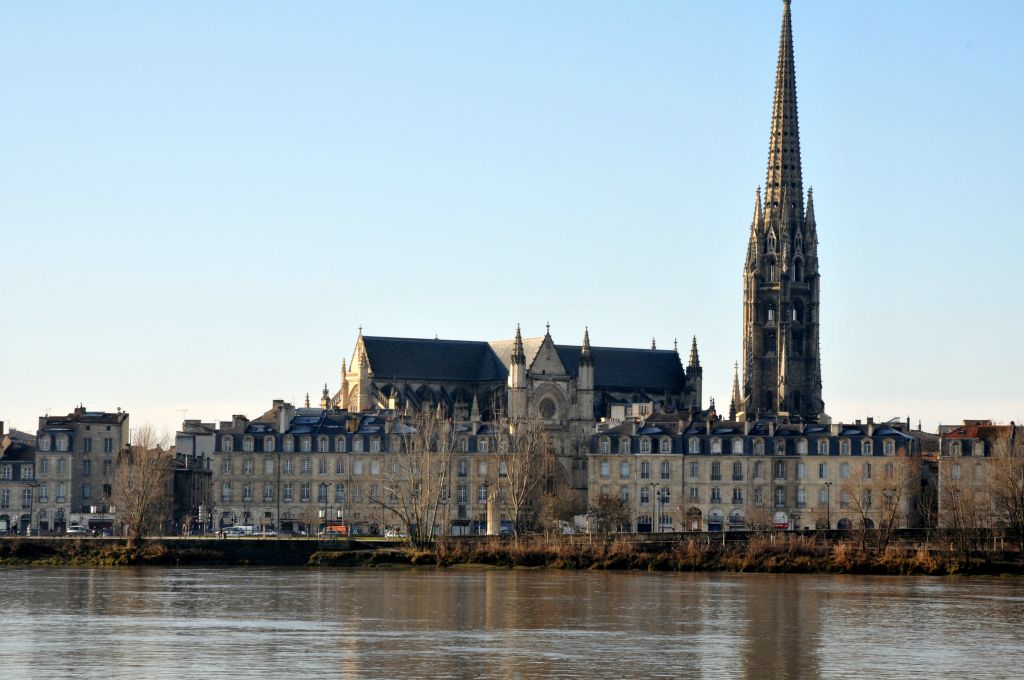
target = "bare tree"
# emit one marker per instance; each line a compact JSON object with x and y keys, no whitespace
{"x":1004,"y":481}
{"x":558,"y":507}
{"x":900,"y":479}
{"x":963,"y":505}
{"x":610,"y":513}
{"x":858,"y":495}
{"x":879,"y":492}
{"x":526,"y":460}
{"x":143,"y":484}
{"x":416,"y":474}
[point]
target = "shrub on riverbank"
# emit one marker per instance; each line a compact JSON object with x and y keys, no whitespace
{"x":780,"y":553}
{"x":769,"y":553}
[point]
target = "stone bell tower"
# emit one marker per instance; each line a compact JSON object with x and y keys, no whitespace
{"x":781,"y":361}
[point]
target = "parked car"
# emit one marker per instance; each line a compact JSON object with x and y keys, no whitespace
{"x":76,"y":530}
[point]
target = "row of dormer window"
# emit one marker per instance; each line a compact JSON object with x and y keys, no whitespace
{"x":360,"y":444}
{"x":736,"y":445}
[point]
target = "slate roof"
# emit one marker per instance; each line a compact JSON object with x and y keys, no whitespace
{"x":451,"y":360}
{"x":477,"y":361}
{"x":622,"y":367}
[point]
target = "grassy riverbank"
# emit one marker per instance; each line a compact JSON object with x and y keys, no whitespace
{"x":782,"y":553}
{"x":779,"y":553}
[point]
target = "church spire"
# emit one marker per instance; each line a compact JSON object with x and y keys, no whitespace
{"x":694,"y":358}
{"x":734,"y":404}
{"x":586,"y":359}
{"x":784,"y":169}
{"x":518,"y":353}
{"x":811,"y":226}
{"x":781,"y":361}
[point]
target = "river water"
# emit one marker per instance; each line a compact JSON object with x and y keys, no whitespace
{"x":210,"y":623}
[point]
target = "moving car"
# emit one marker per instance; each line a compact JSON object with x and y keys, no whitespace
{"x":76,"y":530}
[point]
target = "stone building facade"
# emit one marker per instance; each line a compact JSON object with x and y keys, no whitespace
{"x":75,"y":459}
{"x":17,"y":481}
{"x":292,"y":468}
{"x":715,"y":475}
{"x":981,"y":476}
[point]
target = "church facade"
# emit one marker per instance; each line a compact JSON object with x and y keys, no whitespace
{"x":569,"y":388}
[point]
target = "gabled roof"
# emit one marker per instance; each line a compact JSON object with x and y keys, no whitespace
{"x":627,"y":368}
{"x":615,"y":368}
{"x":455,"y":360}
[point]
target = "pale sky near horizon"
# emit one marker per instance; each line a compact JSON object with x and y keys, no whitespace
{"x":201,"y":202}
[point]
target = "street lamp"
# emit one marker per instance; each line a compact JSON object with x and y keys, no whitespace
{"x":487,"y":496}
{"x":323,"y":513}
{"x":828,"y":504}
{"x":31,"y":503}
{"x":657,"y":505}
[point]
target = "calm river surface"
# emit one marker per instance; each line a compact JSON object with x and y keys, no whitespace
{"x":203,"y":623}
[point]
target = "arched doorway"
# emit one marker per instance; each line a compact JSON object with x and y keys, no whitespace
{"x":844,"y":523}
{"x":693,"y":519}
{"x":715,"y":518}
{"x":737,"y":522}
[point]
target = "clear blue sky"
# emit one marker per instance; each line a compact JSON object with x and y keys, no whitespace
{"x":202,"y":201}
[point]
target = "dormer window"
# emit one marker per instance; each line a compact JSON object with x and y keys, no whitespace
{"x":227,"y":444}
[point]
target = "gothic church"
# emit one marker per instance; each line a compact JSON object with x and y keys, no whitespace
{"x":573,"y":387}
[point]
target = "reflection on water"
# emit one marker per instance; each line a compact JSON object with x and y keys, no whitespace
{"x":191,"y":623}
